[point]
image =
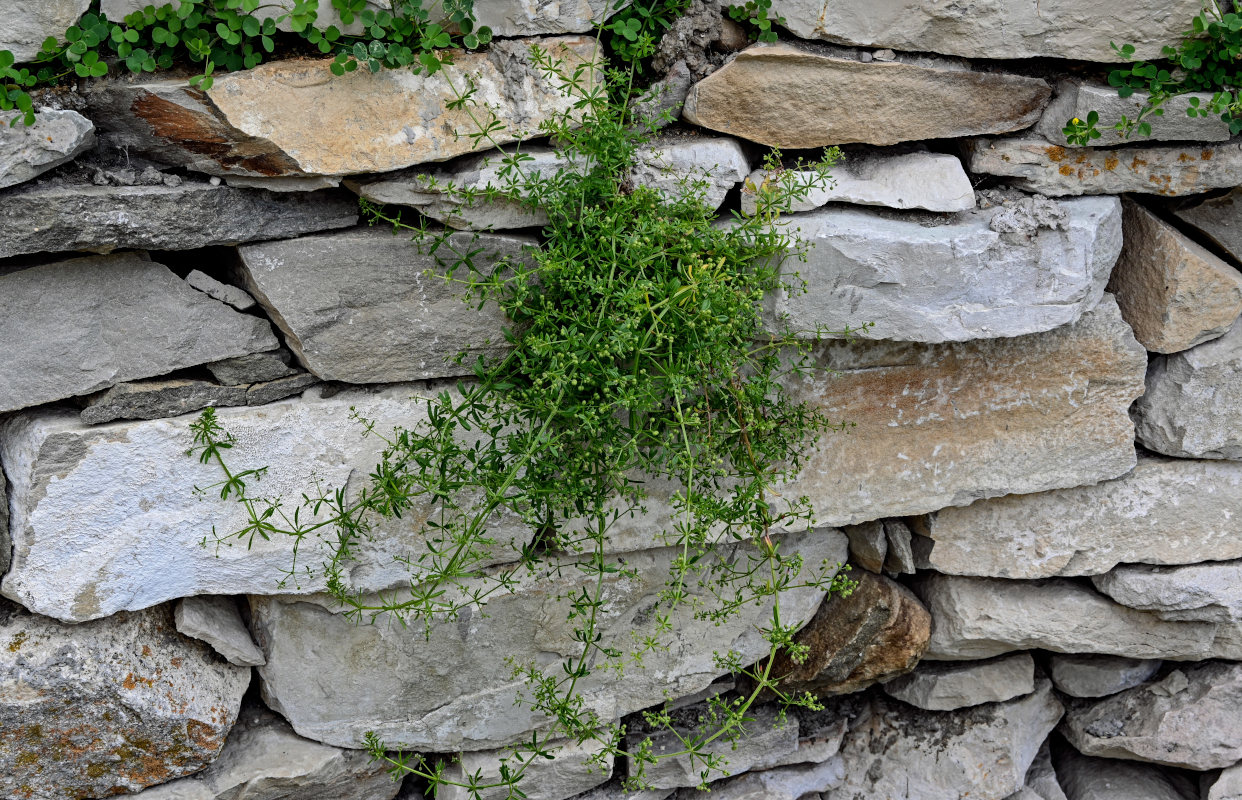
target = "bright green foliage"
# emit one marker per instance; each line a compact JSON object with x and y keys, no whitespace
{"x":633,"y":30}
{"x":1078,"y":132}
{"x":754,"y":15}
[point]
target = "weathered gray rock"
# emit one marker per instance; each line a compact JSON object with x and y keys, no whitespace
{"x":75,"y":327}
{"x":57,"y":216}
{"x":993,"y":28}
{"x":27,"y":24}
{"x":1191,"y":719}
{"x":954,"y":281}
{"x":294,"y":118}
{"x":457,"y":689}
{"x":613,"y":790}
{"x":56,"y":137}
{"x":208,"y":285}
{"x":699,"y":166}
{"x":782,"y":783}
{"x":269,"y":392}
{"x":574,"y":768}
{"x":868,"y":545}
{"x":1087,"y":778}
{"x":263,"y":759}
{"x":1217,"y":218}
{"x":358,"y":306}
{"x":6,"y":544}
{"x":841,"y":99}
{"x":899,"y":559}
{"x":107,"y":707}
{"x":1041,"y":778}
{"x":984,"y":617}
{"x":1228,"y":786}
{"x":255,"y":368}
{"x":1193,"y":404}
{"x":1037,"y":165}
{"x":1172,"y":291}
{"x":516,"y":18}
{"x":947,"y":686}
{"x":1197,"y":593}
{"x":159,"y":399}
{"x":217,"y":621}
{"x":930,"y":181}
{"x":1164,"y":511}
{"x":1074,"y":98}
{"x":1099,"y":676}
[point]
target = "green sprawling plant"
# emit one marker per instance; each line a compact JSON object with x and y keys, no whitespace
{"x":1207,"y":60}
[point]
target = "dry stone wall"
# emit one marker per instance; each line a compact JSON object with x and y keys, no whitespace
{"x":1040,"y":499}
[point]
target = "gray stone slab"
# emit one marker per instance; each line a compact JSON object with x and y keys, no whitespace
{"x":217,"y":621}
{"x":235,"y":297}
{"x":57,"y":137}
{"x":254,"y":368}
{"x":1086,"y":778}
{"x":159,"y":399}
{"x":27,"y":24}
{"x":946,"y":685}
{"x":1099,"y":676}
{"x":1076,"y":98}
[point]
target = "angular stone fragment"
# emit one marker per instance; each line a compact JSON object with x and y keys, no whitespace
{"x":159,"y":399}
{"x":269,"y":392}
{"x":1099,"y":676}
{"x":1037,"y":165}
{"x":1172,"y":291}
{"x":1192,"y":721}
{"x":954,"y":281}
{"x":287,"y":118}
{"x":1193,"y":404}
{"x":613,"y":790}
{"x":947,"y":686}
{"x":78,"y":326}
{"x":1164,"y":511}
{"x":1041,"y":778}
{"x":58,"y":216}
{"x":782,"y":783}
{"x":868,"y":545}
{"x":517,"y":18}
{"x":1217,"y":218}
{"x":56,"y":137}
{"x":900,"y":557}
{"x":6,"y":544}
{"x":107,"y":707}
{"x":1074,"y":29}
{"x":1197,"y":593}
{"x":680,"y":166}
{"x":27,"y":24}
{"x":255,"y":368}
{"x":1228,"y":786}
{"x":840,"y":99}
{"x":1074,"y":98}
{"x":456,"y":690}
{"x":208,"y":285}
{"x":573,"y":769}
{"x":930,"y":181}
{"x":216,"y":621}
{"x":1087,"y":778}
{"x":358,"y":306}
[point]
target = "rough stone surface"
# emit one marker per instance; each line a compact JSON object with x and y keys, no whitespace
{"x":254,"y":368}
{"x":27,"y":24}
{"x":679,"y":166}
{"x":1172,"y":291}
{"x":946,"y":685}
{"x":6,"y":544}
{"x":56,"y":138}
{"x":263,"y":759}
{"x":1041,"y":778}
{"x":1074,"y":98}
{"x":840,"y":99}
{"x":286,"y":118}
{"x":159,"y":399}
{"x":613,"y":790}
{"x":357,"y":306}
{"x":572,"y":771}
{"x":208,"y":285}
{"x":1164,"y":511}
{"x":217,"y":621}
{"x":458,"y":691}
{"x":75,"y":327}
{"x":900,"y":557}
{"x":783,"y":783}
{"x":953,"y":281}
{"x":1190,"y":719}
{"x":868,"y":545}
{"x":1087,"y":778}
{"x":1217,"y":218}
{"x":59,"y":216}
{"x":1193,"y":404}
{"x":1099,"y":676}
{"x":1228,"y":786}
{"x":993,"y":28}
{"x":107,"y":707}
{"x":262,"y":393}
{"x":1198,"y":592}
{"x":929,"y":181}
{"x":1037,"y":165}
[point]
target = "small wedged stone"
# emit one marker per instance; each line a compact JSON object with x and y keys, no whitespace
{"x":1164,"y":511}
{"x":1226,"y":786}
{"x":58,"y":216}
{"x":1193,"y":404}
{"x":211,"y":287}
{"x":27,"y":24}
{"x":1099,"y":676}
{"x":159,"y":399}
{"x":107,"y":707}
{"x":217,"y":621}
{"x":56,"y":138}
{"x":1217,"y":218}
{"x":868,"y":545}
{"x":6,"y":544}
{"x":1195,"y":593}
{"x":1041,"y":778}
{"x":781,"y":783}
{"x":1035,"y":164}
{"x":840,"y":99}
{"x":948,"y":685}
{"x":574,"y":768}
{"x":254,"y":368}
{"x":1075,"y":98}
{"x":1191,"y":719}
{"x":270,"y":391}
{"x":79,"y":326}
{"x":899,"y":559}
{"x":1086,"y":778}
{"x":1171,"y":290}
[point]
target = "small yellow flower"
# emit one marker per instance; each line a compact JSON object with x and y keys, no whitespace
{"x":1076,"y":121}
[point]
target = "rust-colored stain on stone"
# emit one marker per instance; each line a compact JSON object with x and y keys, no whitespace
{"x":1206,"y":155}
{"x":1111,"y":162}
{"x":1055,"y":153}
{"x":1066,"y":170}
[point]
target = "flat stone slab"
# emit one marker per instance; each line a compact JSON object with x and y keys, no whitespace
{"x":1197,"y":592}
{"x":1099,"y":676}
{"x":948,"y":685}
{"x":574,"y":768}
{"x":56,"y":138}
{"x":27,"y":24}
{"x":1086,"y":778}
{"x":1217,"y":218}
{"x":1076,"y":98}
{"x":217,"y":621}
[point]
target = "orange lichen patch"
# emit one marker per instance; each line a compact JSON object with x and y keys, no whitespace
{"x":1066,"y":170}
{"x":131,"y":681}
{"x":1055,"y":153}
{"x":1206,"y":155}
{"x":1082,"y":158}
{"x":1111,"y":162}
{"x":1184,"y":157}
{"x":177,"y":661}
{"x":146,"y":650}
{"x":1137,"y":162}
{"x":17,"y":641}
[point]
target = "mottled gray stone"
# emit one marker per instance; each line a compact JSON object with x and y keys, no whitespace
{"x":57,"y":216}
{"x":208,"y":285}
{"x":868,"y":545}
{"x":946,"y":685}
{"x":1041,"y":778}
{"x":358,"y":306}
{"x":574,"y":768}
{"x":6,"y":544}
{"x":27,"y":24}
{"x":1217,"y":218}
{"x":216,"y":620}
{"x":1086,"y":778}
{"x":254,"y":368}
{"x":781,"y":783}
{"x":899,"y":559}
{"x":1099,"y":676}
{"x":1075,"y":98}
{"x":1198,"y":592}
{"x":1227,"y":786}
{"x":271,"y":391}
{"x":75,"y":327}
{"x":701,"y":166}
{"x":159,"y":399}
{"x":56,"y":137}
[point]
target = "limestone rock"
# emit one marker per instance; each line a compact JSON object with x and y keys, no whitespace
{"x":59,"y":216}
{"x":6,"y":544}
{"x":456,"y":690}
{"x":255,"y":368}
{"x":783,"y":783}
{"x":954,"y":281}
{"x":930,"y":181}
{"x":680,"y":166}
{"x":900,"y":557}
{"x":1164,"y":511}
{"x":159,"y":399}
{"x":294,"y":118}
{"x":263,"y":759}
{"x":107,"y":707}
{"x":1228,"y":786}
{"x":1192,"y":721}
{"x":56,"y":137}
{"x":1074,"y":98}
{"x":947,"y":686}
{"x":868,"y":545}
{"x":840,"y":99}
{"x":993,"y":28}
{"x":286,"y":183}
{"x":1217,"y":218}
{"x":1087,"y":778}
{"x":1193,"y":404}
{"x":1172,"y":291}
{"x":211,"y":287}
{"x":1037,"y":165}
{"x":984,"y":617}
{"x":357,"y":306}
{"x":78,"y":326}
{"x":516,"y":18}
{"x":573,"y":769}
{"x":879,"y":631}
{"x":1041,"y":778}
{"x":269,"y":392}
{"x":1099,"y":676}
{"x":1198,"y":592}
{"x":613,"y":790}
{"x":27,"y":24}
{"x":216,"y":621}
